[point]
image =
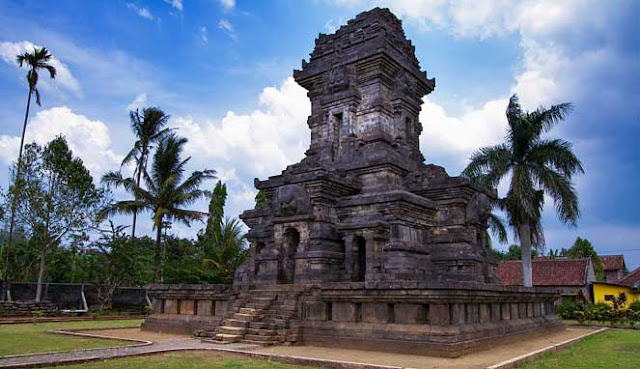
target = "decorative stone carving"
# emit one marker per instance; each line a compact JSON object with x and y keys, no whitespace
{"x":479,"y":209}
{"x":292,"y":200}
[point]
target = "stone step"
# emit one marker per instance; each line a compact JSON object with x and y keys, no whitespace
{"x":231,"y":330}
{"x":235,"y":323}
{"x":261,"y":298}
{"x":250,"y":311}
{"x":274,"y":321}
{"x":261,"y":332}
{"x":257,"y":337}
{"x":257,"y":305}
{"x":228,"y":337}
{"x":258,"y":343}
{"x":245,"y":317}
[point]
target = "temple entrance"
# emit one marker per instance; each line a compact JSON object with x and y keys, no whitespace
{"x":286,"y":256}
{"x":360,"y":258}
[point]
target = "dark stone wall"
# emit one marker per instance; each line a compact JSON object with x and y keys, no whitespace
{"x":68,"y":295}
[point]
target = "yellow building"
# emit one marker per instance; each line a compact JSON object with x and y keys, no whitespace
{"x":605,"y":292}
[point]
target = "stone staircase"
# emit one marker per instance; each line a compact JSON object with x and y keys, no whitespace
{"x":264,"y":317}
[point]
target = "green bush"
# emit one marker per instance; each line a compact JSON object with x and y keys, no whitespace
{"x":566,"y":309}
{"x":635,"y":306}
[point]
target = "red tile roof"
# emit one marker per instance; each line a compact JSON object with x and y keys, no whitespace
{"x":558,"y":272}
{"x":612,"y":262}
{"x":631,"y":278}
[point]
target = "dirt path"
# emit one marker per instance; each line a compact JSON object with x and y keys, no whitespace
{"x":477,"y":360}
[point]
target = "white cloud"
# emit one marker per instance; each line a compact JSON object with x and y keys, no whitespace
{"x":140,"y":101}
{"x":64,"y":78}
{"x":226,"y":25}
{"x":458,"y":137}
{"x":228,"y":4}
{"x":262,"y":142}
{"x":203,"y":34}
{"x":177,"y":4}
{"x":228,"y":28}
{"x":88,"y":139}
{"x":143,"y":12}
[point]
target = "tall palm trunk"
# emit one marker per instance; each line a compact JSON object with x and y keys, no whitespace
{"x":158,"y":254}
{"x":5,"y":277}
{"x":135,"y":214}
{"x":524,"y":232}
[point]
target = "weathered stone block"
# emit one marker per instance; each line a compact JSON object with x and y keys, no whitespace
{"x":485,"y":313}
{"x":375,"y":313}
{"x":405,"y":313}
{"x":496,"y":312}
{"x":187,"y":307}
{"x":439,"y":314}
{"x":220,"y":307}
{"x":458,"y":314}
{"x":205,"y":307}
{"x":171,"y":306}
{"x":344,"y":312}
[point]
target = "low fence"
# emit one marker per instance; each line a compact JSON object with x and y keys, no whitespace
{"x":70,"y":295}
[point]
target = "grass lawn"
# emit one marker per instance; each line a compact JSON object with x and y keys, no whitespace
{"x":31,"y":337}
{"x":185,"y":360}
{"x":615,"y":348}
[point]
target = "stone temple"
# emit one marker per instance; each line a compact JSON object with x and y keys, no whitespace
{"x":362,"y":245}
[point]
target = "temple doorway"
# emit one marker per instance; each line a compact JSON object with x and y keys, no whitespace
{"x":286,"y":256}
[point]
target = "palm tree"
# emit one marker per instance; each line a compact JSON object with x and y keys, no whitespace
{"x":35,"y":61}
{"x":148,"y":128}
{"x":536,"y":167}
{"x":165,"y":195}
{"x":226,"y":250}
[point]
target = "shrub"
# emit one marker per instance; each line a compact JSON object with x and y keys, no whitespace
{"x":566,"y":309}
{"x":635,"y":306}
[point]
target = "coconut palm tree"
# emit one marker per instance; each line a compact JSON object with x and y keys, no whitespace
{"x":148,"y":128}
{"x":35,"y":61}
{"x":536,"y":167}
{"x":165,"y":196}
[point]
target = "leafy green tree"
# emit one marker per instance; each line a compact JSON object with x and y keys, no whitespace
{"x":118,"y":261}
{"x":148,"y":127}
{"x":223,"y":241}
{"x":57,"y":198}
{"x":165,"y":196}
{"x":262,"y":202}
{"x":35,"y":62}
{"x":536,"y":166}
{"x":583,"y":249}
{"x":515,"y":253}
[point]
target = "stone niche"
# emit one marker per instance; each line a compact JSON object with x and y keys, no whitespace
{"x":362,"y":243}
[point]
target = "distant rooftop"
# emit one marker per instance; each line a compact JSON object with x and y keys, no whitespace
{"x":558,"y":272}
{"x":612,"y":262}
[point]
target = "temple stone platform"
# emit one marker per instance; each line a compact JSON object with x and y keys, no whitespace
{"x":361,"y":244}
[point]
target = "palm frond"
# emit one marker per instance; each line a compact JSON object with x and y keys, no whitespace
{"x":497,"y":228}
{"x":558,"y":154}
{"x":544,"y":119}
{"x":564,"y":195}
{"x":492,"y":163}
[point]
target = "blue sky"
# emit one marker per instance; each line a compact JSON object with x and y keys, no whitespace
{"x":222,"y":70}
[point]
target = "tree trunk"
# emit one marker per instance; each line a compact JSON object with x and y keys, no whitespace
{"x":43,"y":261}
{"x":5,"y":282}
{"x":158,"y":253}
{"x":135,"y":213}
{"x":524,"y":232}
